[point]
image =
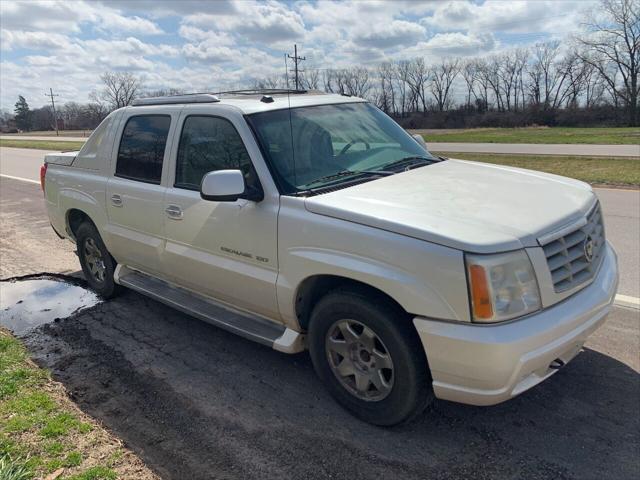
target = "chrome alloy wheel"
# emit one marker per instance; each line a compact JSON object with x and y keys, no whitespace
{"x":94,"y":260}
{"x":359,"y":360}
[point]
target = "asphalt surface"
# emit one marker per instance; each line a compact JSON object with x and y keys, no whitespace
{"x":515,"y":148}
{"x":22,"y":162}
{"x":621,"y":208}
{"x":196,"y":402}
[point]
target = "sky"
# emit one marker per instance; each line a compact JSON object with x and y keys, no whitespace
{"x":212,"y":45}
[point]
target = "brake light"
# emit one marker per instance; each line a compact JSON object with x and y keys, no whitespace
{"x":43,"y":173}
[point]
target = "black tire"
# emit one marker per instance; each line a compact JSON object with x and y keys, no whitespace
{"x":410,"y":392}
{"x":88,"y":234}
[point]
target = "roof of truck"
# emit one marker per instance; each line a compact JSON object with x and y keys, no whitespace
{"x":253,"y":101}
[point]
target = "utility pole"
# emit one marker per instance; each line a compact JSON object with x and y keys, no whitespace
{"x":296,"y":59}
{"x":53,"y":105}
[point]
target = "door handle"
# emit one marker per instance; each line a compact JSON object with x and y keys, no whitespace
{"x":174,"y":212}
{"x":116,"y":200}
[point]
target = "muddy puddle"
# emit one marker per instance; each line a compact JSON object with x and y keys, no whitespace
{"x":26,"y":304}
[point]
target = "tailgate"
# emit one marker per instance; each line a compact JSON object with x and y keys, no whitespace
{"x":63,"y":158}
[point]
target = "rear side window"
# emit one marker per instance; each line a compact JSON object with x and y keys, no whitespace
{"x":142,"y":147}
{"x":208,"y":144}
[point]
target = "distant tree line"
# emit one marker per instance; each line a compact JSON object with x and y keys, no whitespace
{"x":593,"y":81}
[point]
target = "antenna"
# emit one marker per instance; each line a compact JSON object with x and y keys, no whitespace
{"x":53,"y":105}
{"x":296,"y":59}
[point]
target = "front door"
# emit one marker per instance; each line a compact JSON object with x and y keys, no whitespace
{"x":226,"y":250}
{"x":135,"y":192}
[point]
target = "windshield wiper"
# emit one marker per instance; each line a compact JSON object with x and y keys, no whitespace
{"x":408,"y":161}
{"x":344,"y":173}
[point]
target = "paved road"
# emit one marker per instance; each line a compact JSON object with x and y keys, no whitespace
{"x":196,"y":402}
{"x":538,"y":149}
{"x":523,"y":148}
{"x":622,"y":208}
{"x":22,"y":162}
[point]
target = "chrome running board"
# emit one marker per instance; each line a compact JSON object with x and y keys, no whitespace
{"x":246,"y":325}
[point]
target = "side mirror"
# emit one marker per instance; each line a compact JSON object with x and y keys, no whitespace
{"x":420,"y":140}
{"x":223,"y":186}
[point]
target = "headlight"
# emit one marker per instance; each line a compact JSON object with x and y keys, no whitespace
{"x":502,"y":286}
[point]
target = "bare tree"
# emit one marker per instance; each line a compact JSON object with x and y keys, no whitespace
{"x":543,"y":74}
{"x":417,"y":76}
{"x":594,"y":85}
{"x":470,"y":74}
{"x":270,"y":83}
{"x":310,"y":79}
{"x":483,"y":84}
{"x":614,"y":42}
{"x":120,"y":89}
{"x":386,"y":93}
{"x":441,"y":80}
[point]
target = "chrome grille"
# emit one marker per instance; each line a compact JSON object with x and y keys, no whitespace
{"x":568,"y":255}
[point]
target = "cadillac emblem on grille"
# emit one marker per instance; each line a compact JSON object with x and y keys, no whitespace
{"x":589,"y":247}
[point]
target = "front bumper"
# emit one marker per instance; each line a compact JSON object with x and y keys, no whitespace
{"x":488,"y":364}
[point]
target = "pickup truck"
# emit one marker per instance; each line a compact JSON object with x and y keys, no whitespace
{"x":303,"y":220}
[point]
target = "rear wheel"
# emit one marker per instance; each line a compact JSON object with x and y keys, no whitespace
{"x":369,"y":357}
{"x":97,"y":263}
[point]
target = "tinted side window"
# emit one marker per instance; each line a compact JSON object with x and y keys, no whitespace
{"x":208,"y":144}
{"x":142,"y":148}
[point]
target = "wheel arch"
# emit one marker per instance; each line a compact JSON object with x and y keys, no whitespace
{"x":74,"y":218}
{"x":313,"y":288}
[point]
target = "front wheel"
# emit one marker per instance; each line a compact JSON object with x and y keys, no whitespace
{"x":97,"y":263}
{"x":369,"y":356}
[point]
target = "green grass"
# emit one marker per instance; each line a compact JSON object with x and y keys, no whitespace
{"x":61,"y":146}
{"x":14,"y":469}
{"x":549,"y":135}
{"x":96,"y":473}
{"x":594,"y":170}
{"x":51,"y":133}
{"x":39,"y":433}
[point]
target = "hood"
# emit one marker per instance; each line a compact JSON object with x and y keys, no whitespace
{"x":471,"y":206}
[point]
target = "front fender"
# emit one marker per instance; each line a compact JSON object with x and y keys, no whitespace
{"x":424,"y":278}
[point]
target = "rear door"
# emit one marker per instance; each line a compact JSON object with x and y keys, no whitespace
{"x":137,"y":185}
{"x":226,"y":250}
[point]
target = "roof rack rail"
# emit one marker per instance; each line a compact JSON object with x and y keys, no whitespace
{"x":187,"y":98}
{"x":261,"y":91}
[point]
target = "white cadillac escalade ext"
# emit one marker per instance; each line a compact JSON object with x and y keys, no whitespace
{"x":313,"y":221}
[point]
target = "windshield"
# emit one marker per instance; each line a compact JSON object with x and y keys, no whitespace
{"x":313,"y":147}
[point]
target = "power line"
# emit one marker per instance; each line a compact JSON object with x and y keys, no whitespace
{"x":53,"y":105}
{"x":296,"y":59}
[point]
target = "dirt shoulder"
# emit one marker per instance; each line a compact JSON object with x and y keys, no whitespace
{"x":44,"y":433}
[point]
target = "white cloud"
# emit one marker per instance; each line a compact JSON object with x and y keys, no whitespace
{"x":32,"y":40}
{"x":67,"y":17}
{"x":197,"y":45}
{"x":390,"y":35}
{"x":514,"y":16}
{"x":453,"y":44}
{"x":261,"y":22}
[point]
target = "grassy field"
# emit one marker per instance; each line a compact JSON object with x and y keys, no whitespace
{"x":596,"y":170}
{"x":51,"y":133}
{"x":550,"y":135}
{"x":58,"y":146}
{"x":43,"y":433}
